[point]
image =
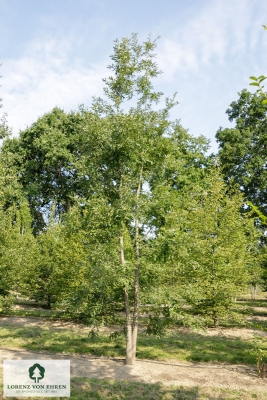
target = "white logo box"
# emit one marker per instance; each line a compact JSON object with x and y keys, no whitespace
{"x":36,"y":378}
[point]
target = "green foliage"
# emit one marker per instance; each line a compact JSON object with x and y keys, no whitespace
{"x":133,"y":67}
{"x":262,"y":219}
{"x":257,"y":82}
{"x":6,"y":302}
{"x":45,"y":158}
{"x":209,"y":248}
{"x":243,"y":150}
{"x":260,"y":352}
{"x":4,"y":128}
{"x":16,"y":240}
{"x":95,"y":294}
{"x":60,"y":262}
{"x":243,"y":153}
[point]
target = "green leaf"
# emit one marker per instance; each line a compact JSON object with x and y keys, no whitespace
{"x":254,"y":84}
{"x":253,"y":78}
{"x":264,"y":101}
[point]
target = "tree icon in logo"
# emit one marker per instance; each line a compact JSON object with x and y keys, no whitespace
{"x":36,"y":371}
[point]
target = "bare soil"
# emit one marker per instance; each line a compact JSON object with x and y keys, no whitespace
{"x":170,"y":373}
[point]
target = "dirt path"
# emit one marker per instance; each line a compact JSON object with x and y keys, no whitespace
{"x":175,"y":373}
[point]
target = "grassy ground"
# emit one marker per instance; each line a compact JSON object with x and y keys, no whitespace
{"x":177,"y":346}
{"x":85,"y":389}
{"x":196,"y":347}
{"x":189,"y":346}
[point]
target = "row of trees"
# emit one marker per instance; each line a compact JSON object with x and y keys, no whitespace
{"x":109,"y":208}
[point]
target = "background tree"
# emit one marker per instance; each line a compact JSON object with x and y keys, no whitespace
{"x":243,"y":155}
{"x":95,"y":287}
{"x":60,"y":262}
{"x":209,"y":248}
{"x":16,"y":240}
{"x":46,"y":157}
{"x":243,"y":149}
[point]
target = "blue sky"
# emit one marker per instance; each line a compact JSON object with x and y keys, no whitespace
{"x":55,"y":53}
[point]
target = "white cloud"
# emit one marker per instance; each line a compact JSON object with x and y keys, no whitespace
{"x":44,"y":77}
{"x":220,"y":29}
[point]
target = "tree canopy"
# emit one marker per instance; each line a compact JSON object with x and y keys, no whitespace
{"x":243,"y":149}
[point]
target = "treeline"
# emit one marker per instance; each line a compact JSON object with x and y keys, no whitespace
{"x":109,"y":208}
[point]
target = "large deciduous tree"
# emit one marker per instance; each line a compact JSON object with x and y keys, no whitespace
{"x":243,"y":157}
{"x":243,"y":149}
{"x":133,"y":147}
{"x":136,"y":163}
{"x":46,"y":156}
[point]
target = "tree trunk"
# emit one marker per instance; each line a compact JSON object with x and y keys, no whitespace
{"x":130,"y":356}
{"x":129,"y":336}
{"x":136,"y":290}
{"x":132,"y":325}
{"x":49,"y":302}
{"x":129,"y":359}
{"x":215,"y":319}
{"x":137,"y":268}
{"x":254,"y":289}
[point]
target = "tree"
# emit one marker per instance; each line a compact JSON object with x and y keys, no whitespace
{"x":46,"y":157}
{"x":93,"y":289}
{"x":210,"y":248}
{"x":135,"y":137}
{"x":243,"y":149}
{"x":16,"y":247}
{"x":16,"y":240}
{"x":134,"y":164}
{"x":243,"y":154}
{"x":60,"y":262}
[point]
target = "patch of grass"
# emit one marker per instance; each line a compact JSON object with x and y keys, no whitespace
{"x":41,"y":313}
{"x":98,"y":389}
{"x":24,"y":307}
{"x":260,"y":313}
{"x":256,"y":324}
{"x":253,"y":303}
{"x":176,"y":346}
{"x":197,"y":347}
{"x":29,"y":302}
{"x":112,"y":389}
